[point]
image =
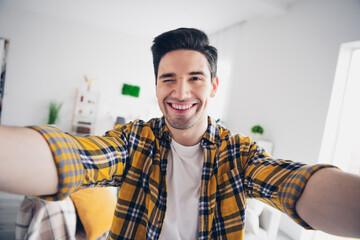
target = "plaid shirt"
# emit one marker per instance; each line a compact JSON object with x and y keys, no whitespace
{"x":134,"y":157}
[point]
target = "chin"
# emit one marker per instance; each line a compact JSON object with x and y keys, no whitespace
{"x":181,"y":124}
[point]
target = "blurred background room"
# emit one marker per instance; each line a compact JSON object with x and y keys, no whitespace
{"x":283,"y":64}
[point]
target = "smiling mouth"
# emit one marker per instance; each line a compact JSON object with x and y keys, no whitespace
{"x":181,"y":107}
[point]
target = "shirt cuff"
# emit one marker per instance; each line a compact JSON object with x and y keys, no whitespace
{"x":291,"y":189}
{"x":67,"y":159}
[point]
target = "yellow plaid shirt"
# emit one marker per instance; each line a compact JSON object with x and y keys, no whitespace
{"x":134,"y":158}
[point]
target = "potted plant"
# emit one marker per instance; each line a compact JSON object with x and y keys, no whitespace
{"x":257,"y":129}
{"x":54,"y":109}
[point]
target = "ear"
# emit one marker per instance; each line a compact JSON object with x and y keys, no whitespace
{"x":214,"y":87}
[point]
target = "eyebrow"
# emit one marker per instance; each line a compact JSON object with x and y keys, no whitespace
{"x":167,"y":75}
{"x":198,"y":73}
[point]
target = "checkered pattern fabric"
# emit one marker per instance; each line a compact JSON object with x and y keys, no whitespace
{"x":134,"y":157}
{"x":45,"y":220}
{"x":38,"y":219}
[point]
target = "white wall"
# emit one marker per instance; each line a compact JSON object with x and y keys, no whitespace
{"x":225,"y":42}
{"x":284,"y":71}
{"x":283,"y":76}
{"x":48,"y":58}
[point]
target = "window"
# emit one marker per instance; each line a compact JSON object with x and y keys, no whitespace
{"x":341,"y":140}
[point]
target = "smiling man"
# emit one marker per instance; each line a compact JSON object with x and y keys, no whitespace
{"x":180,"y":176}
{"x":184,"y":86}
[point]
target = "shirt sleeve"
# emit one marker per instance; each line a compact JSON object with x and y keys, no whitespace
{"x":85,"y":161}
{"x":276,"y":182}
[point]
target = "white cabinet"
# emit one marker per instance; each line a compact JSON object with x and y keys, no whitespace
{"x":85,"y":112}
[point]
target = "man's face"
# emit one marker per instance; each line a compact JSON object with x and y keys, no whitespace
{"x":184,"y":87}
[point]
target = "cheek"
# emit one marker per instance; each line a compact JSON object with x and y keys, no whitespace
{"x":205,"y":94}
{"x":156,"y":91}
{"x":160,"y":94}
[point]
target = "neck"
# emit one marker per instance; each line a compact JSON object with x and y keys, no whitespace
{"x":191,"y":136}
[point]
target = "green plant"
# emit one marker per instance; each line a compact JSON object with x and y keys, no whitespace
{"x":257,"y":129}
{"x":54,"y":109}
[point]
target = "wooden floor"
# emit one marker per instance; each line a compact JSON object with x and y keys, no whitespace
{"x":9,"y":205}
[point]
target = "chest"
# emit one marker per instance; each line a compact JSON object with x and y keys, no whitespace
{"x":221,"y":200}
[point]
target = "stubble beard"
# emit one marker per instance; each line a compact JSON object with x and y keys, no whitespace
{"x":179,"y":122}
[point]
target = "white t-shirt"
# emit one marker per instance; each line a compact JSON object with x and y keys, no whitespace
{"x":183,"y":186}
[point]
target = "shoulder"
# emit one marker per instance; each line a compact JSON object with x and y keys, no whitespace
{"x":139,"y":127}
{"x":225,"y":136}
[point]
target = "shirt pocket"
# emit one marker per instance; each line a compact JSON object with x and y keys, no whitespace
{"x":230,"y":194}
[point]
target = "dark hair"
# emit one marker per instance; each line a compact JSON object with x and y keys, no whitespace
{"x":184,"y":38}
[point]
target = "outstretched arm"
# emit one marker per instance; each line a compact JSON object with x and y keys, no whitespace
{"x":330,"y":202}
{"x":26,"y":163}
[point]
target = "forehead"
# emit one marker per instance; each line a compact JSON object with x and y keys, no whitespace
{"x":183,"y":60}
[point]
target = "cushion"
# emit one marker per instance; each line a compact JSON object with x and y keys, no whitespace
{"x":41,"y":219}
{"x":255,"y":205}
{"x":252,"y":213}
{"x":95,"y":207}
{"x":261,"y":235}
{"x":251,"y":221}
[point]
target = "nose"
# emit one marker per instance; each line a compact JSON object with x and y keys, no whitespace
{"x":182,"y":90}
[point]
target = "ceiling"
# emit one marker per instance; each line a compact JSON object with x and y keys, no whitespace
{"x":147,"y":18}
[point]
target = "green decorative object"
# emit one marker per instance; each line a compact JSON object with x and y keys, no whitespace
{"x":130,"y":90}
{"x":220,"y":122}
{"x":54,"y":109}
{"x":257,"y":129}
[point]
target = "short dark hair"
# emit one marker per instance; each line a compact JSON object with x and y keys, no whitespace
{"x":184,"y":38}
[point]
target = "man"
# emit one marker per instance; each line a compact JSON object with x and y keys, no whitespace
{"x":181,"y":176}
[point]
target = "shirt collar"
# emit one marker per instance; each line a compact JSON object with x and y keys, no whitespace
{"x":211,"y":134}
{"x":160,"y":129}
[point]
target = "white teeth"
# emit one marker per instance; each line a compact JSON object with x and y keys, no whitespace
{"x":181,"y":107}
